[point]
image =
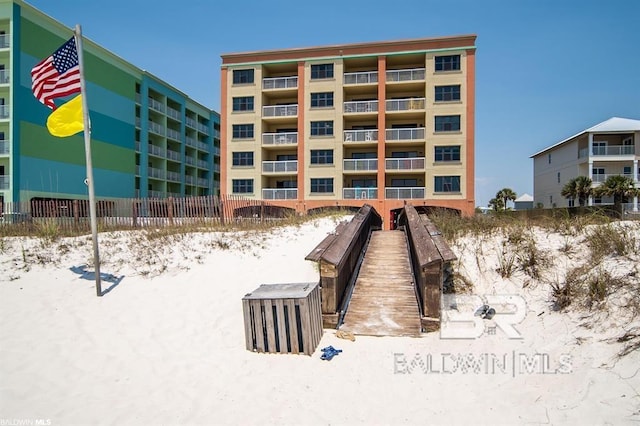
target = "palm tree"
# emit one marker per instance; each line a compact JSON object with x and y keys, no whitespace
{"x":578,"y":187}
{"x":506,"y":194}
{"x":619,"y":187}
{"x":496,"y":204}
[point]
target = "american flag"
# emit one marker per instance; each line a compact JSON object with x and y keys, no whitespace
{"x":58,"y":75}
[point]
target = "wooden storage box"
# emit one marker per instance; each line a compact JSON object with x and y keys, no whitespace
{"x":283,"y":318}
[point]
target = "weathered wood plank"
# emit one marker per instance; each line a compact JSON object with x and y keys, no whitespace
{"x":383,"y":301}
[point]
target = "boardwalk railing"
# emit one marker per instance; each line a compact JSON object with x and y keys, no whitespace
{"x":72,"y":216}
{"x":431,"y":259}
{"x":338,"y":255}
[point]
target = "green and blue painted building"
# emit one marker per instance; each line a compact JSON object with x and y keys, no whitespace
{"x":148,"y":139}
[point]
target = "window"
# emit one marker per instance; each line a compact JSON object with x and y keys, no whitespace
{"x":243,"y":103}
{"x":571,"y":202}
{"x":447,"y":184}
{"x":322,"y":99}
{"x":364,"y":183}
{"x":447,"y":93}
{"x":404,"y":154}
{"x":364,"y":155}
{"x":321,"y":71}
{"x":243,"y":76}
{"x":447,"y":153}
{"x":598,"y":174}
{"x":549,"y":158}
{"x":322,"y":185}
{"x":626,"y":170}
{"x":243,"y":158}
{"x":404,"y":183}
{"x":321,"y":156}
{"x":242,"y":186}
{"x":321,"y":128}
{"x":558,"y":177}
{"x":242,"y":131}
{"x":447,"y":123}
{"x":286,"y":184}
{"x":599,"y":148}
{"x":448,"y":63}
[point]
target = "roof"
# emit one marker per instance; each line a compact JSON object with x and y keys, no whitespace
{"x":612,"y":125}
{"x":524,"y":198}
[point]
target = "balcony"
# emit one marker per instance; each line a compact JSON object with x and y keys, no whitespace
{"x":156,"y":128}
{"x":190,"y":180}
{"x":156,"y":173}
{"x":360,"y":164}
{"x":202,"y":182}
{"x":202,"y":164}
{"x":173,"y":113}
{"x":5,"y":146}
{"x":280,"y":83}
{"x":360,"y":107}
{"x":173,"y":134}
{"x":191,"y":122}
{"x":4,"y":181}
{"x":290,"y":138}
{"x":361,"y":135}
{"x":203,"y":128}
{"x":173,"y":155}
{"x":280,"y":110}
{"x":416,"y":74}
{"x":5,"y":111}
{"x":156,"y":105}
{"x":409,"y":134}
{"x":359,"y":193}
{"x":190,"y":161}
{"x":279,"y":193}
{"x":402,"y":193}
{"x":173,"y":176}
{"x":4,"y":76}
{"x":404,"y":163}
{"x":409,"y":104}
{"x":202,"y":146}
{"x":5,"y":41}
{"x":367,"y":77}
{"x":156,"y":150}
{"x":191,"y":142}
{"x":216,"y":151}
{"x":289,"y":166}
{"x":599,"y":178}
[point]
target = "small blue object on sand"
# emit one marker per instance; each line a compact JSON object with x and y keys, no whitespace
{"x":329,"y":352}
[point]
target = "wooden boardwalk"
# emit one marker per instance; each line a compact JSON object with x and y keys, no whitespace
{"x":384,"y":300}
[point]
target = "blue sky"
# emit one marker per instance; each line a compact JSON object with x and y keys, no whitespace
{"x":545,"y":69}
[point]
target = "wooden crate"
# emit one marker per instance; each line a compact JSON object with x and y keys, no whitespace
{"x":283,"y":318}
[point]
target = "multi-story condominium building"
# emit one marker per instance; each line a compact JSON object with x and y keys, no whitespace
{"x":383,"y":123}
{"x":608,"y":148}
{"x":148,"y":138}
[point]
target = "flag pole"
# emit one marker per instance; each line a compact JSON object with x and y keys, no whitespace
{"x":87,"y":151}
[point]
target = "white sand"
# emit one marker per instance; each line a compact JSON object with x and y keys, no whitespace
{"x":166,"y":344}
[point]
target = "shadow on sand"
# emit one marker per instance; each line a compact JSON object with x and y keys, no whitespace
{"x":104,"y":277}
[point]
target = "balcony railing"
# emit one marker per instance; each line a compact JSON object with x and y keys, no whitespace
{"x":5,"y":41}
{"x":216,"y":150}
{"x":416,"y":133}
{"x":4,"y":76}
{"x":4,"y":111}
{"x":405,"y":104}
{"x":361,"y":135}
{"x":4,"y":181}
{"x":173,"y":134}
{"x":156,"y":173}
{"x":173,"y":113}
{"x":202,"y":128}
{"x":404,"y":163}
{"x":191,"y":122}
{"x":190,"y":161}
{"x":415,"y":74}
{"x":614,"y":150}
{"x":360,"y":164}
{"x":290,"y":138}
{"x":156,"y":194}
{"x":279,"y":193}
{"x":173,"y":155}
{"x":280,"y":83}
{"x":156,"y":128}
{"x":189,"y":179}
{"x":156,"y":150}
{"x":156,"y":105}
{"x":202,"y":164}
{"x":360,"y":106}
{"x":5,"y":146}
{"x":359,"y":193}
{"x":202,"y":146}
{"x":367,"y":77}
{"x":202,"y":182}
{"x":599,"y":178}
{"x":173,"y":176}
{"x":280,"y":110}
{"x":289,"y":166}
{"x":191,"y":142}
{"x":400,"y":193}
